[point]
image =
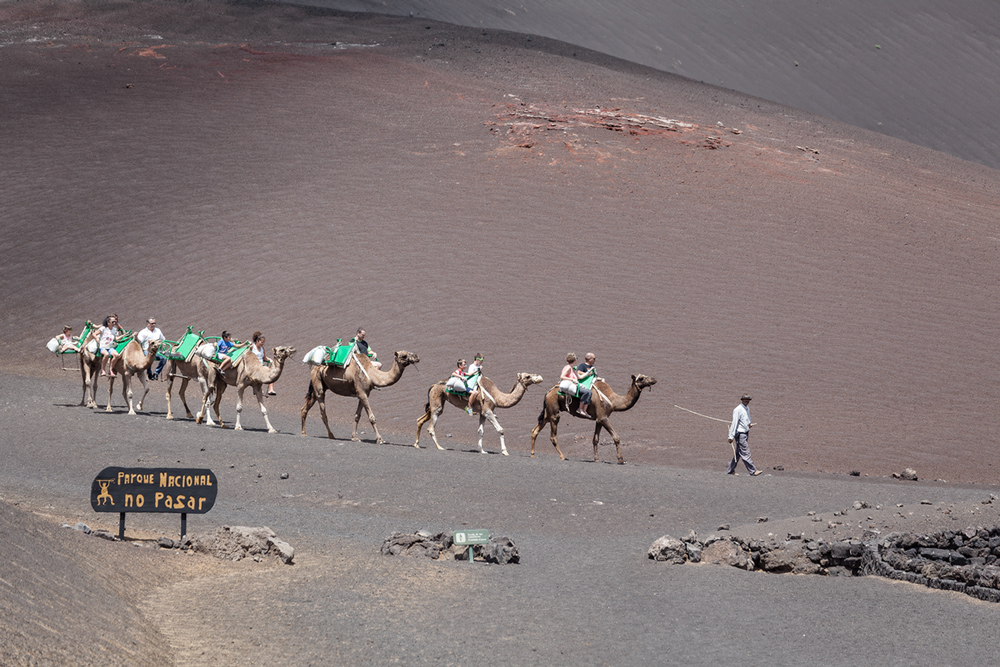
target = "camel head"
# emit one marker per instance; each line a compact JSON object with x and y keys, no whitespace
{"x":643,"y":381}
{"x":281,"y":352}
{"x":154,"y":345}
{"x":528,"y":379}
{"x":404,"y":358}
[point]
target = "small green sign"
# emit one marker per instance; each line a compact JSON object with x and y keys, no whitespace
{"x":473,"y":536}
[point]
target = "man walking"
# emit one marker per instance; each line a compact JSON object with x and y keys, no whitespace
{"x":739,"y":431}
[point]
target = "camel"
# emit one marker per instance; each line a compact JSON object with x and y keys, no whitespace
{"x":490,"y":397}
{"x":132,"y":361}
{"x":604,"y":402}
{"x":247,"y":372}
{"x":90,"y":365}
{"x":357,"y":379}
{"x":187,"y":371}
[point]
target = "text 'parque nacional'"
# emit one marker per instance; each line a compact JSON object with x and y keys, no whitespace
{"x":181,"y":490}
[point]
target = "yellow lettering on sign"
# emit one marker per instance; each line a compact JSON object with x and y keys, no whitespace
{"x":157,"y":498}
{"x":163,"y":479}
{"x":120,"y":475}
{"x":201,"y":501}
{"x":188,"y":481}
{"x":190,"y":502}
{"x":139,"y":500}
{"x":179,"y":502}
{"x":128,"y":500}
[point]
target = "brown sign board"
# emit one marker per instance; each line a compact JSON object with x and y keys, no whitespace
{"x":177,"y":490}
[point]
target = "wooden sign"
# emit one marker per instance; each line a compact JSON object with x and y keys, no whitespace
{"x":177,"y":490}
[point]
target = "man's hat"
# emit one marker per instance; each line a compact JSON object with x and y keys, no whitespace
{"x":745,"y":397}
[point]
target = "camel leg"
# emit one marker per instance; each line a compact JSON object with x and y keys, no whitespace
{"x":371,"y":418}
{"x":420,"y":424}
{"x":170,"y":386}
{"x":145,"y":391}
{"x":534,"y":434}
{"x":259,"y":393}
{"x":218,"y":390}
{"x":84,"y":378}
{"x":496,"y":424}
{"x":206,"y":396}
{"x":435,"y":413}
{"x":127,"y":391}
{"x":322,"y":413}
{"x":357,"y":418}
{"x":604,"y":423}
{"x":553,"y":423}
{"x":310,"y":400}
{"x":239,"y":405}
{"x":182,"y":393}
{"x":482,"y":423}
{"x":111,"y":388}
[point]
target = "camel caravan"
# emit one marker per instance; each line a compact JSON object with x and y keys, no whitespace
{"x":349,"y":369}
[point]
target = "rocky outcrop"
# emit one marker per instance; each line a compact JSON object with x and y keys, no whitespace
{"x":239,"y":542}
{"x":966,"y":561}
{"x":439,"y":546}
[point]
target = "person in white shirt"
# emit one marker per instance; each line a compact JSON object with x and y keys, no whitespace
{"x":150,"y":333}
{"x":739,"y":431}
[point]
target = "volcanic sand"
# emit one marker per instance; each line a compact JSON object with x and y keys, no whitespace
{"x":454,"y":190}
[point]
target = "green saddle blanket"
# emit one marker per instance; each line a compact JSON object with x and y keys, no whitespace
{"x":183,"y":349}
{"x":339,"y":354}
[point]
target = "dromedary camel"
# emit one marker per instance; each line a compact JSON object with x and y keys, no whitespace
{"x":604,"y":402}
{"x":132,"y":361}
{"x":247,"y":372}
{"x":90,"y":365}
{"x":490,"y":398}
{"x":187,"y":371}
{"x":356,"y":380}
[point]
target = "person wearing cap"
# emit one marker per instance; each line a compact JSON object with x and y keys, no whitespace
{"x":739,"y":431}
{"x":149,"y":333}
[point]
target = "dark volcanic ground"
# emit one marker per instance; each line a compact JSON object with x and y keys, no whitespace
{"x":302,"y":174}
{"x":455,"y":190}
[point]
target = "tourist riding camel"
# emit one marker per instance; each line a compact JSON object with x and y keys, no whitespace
{"x":604,"y":402}
{"x":250,"y":372}
{"x":488,"y":398}
{"x":356,"y":379}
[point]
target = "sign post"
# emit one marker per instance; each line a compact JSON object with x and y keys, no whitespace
{"x":470,"y":537}
{"x":172,"y":490}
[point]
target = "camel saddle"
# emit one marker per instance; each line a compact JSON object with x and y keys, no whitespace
{"x":586,"y":384}
{"x":183,"y":349}
{"x":470,"y":383}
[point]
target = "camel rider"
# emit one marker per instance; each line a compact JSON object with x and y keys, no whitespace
{"x":222,"y":349}
{"x":458,"y":379}
{"x":149,"y":333}
{"x":257,"y":348}
{"x":569,"y":384}
{"x":587,"y":367}
{"x":475,"y":375}
{"x":362,"y":345}
{"x":107,"y":343}
{"x":65,"y":340}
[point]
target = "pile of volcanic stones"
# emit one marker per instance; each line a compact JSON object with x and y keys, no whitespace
{"x":441,"y":546}
{"x":967,"y":561}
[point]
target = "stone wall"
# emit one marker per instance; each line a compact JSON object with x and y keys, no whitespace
{"x":966,"y":561}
